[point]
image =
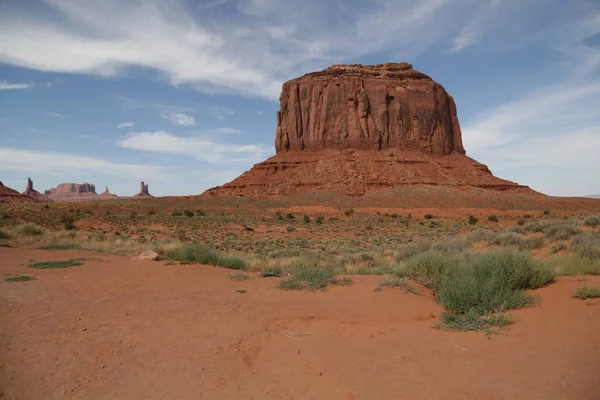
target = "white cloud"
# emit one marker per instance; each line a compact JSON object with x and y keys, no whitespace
{"x":180,"y":119}
{"x":55,"y":115}
{"x":125,"y":125}
{"x":259,"y":47}
{"x":200,"y":148}
{"x":259,"y":113}
{"x":55,"y":163}
{"x":555,"y":130}
{"x":227,"y":130}
{"x":4,"y":85}
{"x":221,"y":112}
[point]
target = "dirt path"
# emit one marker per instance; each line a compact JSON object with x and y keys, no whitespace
{"x":120,"y":329}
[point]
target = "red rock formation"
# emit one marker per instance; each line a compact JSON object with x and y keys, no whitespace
{"x":107,"y":193}
{"x":143,"y":191}
{"x":351,"y":129}
{"x":9,"y":195}
{"x":72,"y":192}
{"x":367,"y":107}
{"x":34,"y":194}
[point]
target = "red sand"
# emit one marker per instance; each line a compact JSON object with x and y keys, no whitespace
{"x":120,"y":329}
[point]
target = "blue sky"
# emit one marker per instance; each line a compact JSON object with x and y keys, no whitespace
{"x":182,"y":94}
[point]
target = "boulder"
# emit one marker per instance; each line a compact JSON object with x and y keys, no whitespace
{"x":147,"y":255}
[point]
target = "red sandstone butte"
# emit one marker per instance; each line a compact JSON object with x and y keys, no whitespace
{"x":351,"y":129}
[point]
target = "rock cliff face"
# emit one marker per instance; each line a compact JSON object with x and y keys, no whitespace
{"x":353,"y":129}
{"x":367,"y":107}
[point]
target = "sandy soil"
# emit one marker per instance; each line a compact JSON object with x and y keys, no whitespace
{"x":120,"y":329}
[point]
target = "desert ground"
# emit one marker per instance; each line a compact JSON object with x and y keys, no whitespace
{"x":299,"y":302}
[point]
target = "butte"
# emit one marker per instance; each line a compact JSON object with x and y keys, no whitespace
{"x":355,"y":129}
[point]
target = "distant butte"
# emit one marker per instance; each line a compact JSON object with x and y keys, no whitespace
{"x":352,"y":129}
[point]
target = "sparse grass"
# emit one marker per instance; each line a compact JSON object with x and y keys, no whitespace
{"x":587,"y":246}
{"x":239,"y":277}
{"x":188,"y":213}
{"x":573,"y":264}
{"x":394,"y":281}
{"x":240,"y":291}
{"x":592,"y":222}
{"x":29,"y":229}
{"x":493,"y":218}
{"x":5,"y":235}
{"x":271,"y":272}
{"x":586,"y":292}
{"x":55,"y":264}
{"x":472,"y":321}
{"x":290,"y":284}
{"x":22,"y":278}
{"x":61,"y":246}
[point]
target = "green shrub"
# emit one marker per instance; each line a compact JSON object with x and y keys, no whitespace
{"x":198,"y":254}
{"x":22,"y":278}
{"x":4,"y":235}
{"x":291,"y":228}
{"x":151,"y":212}
{"x":30,"y":229}
{"x":306,"y":219}
{"x":427,"y":268}
{"x":176,"y":214}
{"x":493,"y":218}
{"x":428,"y":216}
{"x":68,"y":222}
{"x":188,"y":213}
{"x":290,"y":216}
{"x":526,"y":216}
{"x":319,"y":220}
{"x":492,"y":281}
{"x":546,"y":212}
{"x":586,"y":292}
{"x":55,"y":264}
{"x":592,"y":222}
{"x":521,"y":222}
{"x":472,"y":220}
{"x":200,"y":213}
{"x":394,"y":281}
{"x":349,"y":211}
{"x":573,"y":264}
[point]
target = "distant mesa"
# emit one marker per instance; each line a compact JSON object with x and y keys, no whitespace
{"x":352,"y":129}
{"x":143,"y":191}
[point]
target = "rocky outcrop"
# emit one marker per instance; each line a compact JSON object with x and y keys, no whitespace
{"x":353,"y":129}
{"x":9,"y":195}
{"x":367,"y":107}
{"x":107,"y":193}
{"x":34,"y":194}
{"x":143,"y":191}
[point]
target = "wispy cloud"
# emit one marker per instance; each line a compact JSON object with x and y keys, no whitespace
{"x":180,"y":119}
{"x":200,"y":148}
{"x":4,"y":85}
{"x":55,"y":115}
{"x":264,"y":43}
{"x":58,"y":163}
{"x":227,"y":130}
{"x":221,"y":112}
{"x":125,"y":125}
